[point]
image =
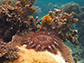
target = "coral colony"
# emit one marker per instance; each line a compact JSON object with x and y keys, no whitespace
{"x":15,"y":21}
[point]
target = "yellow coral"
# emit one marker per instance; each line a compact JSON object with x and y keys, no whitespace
{"x":47,"y":19}
{"x":26,"y":6}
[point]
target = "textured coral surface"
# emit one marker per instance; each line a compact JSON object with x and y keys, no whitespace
{"x":31,"y":56}
{"x":8,"y":52}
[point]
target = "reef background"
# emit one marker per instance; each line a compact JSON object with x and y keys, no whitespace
{"x":46,"y":6}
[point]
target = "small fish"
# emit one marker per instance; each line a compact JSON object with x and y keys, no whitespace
{"x":78,"y":59}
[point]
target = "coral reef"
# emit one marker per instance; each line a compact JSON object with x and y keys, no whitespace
{"x":79,"y":13}
{"x":14,"y":19}
{"x":60,"y":25}
{"x":8,"y":52}
{"x":53,"y":30}
{"x":76,"y":51}
{"x":32,"y":56}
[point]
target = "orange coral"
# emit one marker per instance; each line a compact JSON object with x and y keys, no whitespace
{"x":47,"y":20}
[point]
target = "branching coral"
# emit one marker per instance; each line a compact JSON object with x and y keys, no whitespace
{"x":46,"y":21}
{"x":79,"y":13}
{"x":8,"y":52}
{"x":13,"y":20}
{"x":60,"y":23}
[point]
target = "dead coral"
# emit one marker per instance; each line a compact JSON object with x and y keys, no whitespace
{"x":8,"y":52}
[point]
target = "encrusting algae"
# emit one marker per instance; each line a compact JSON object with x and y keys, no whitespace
{"x":43,"y":44}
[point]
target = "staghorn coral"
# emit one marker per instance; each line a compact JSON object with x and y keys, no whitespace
{"x":8,"y":52}
{"x":25,"y":2}
{"x":24,"y":7}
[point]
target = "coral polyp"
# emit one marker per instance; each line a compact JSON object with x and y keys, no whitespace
{"x":42,"y":41}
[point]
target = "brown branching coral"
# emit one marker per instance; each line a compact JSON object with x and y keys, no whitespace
{"x":26,"y":2}
{"x":24,"y":7}
{"x":9,"y":22}
{"x":8,"y":52}
{"x":13,"y":20}
{"x":60,"y":23}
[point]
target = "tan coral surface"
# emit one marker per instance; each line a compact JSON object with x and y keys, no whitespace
{"x":31,"y":56}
